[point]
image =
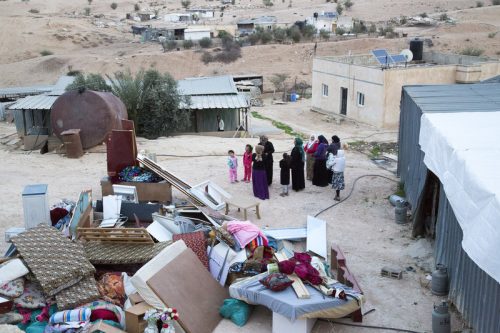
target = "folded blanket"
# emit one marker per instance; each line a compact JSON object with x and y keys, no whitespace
{"x":77,"y":315}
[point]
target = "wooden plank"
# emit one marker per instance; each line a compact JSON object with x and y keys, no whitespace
{"x":185,"y":284}
{"x":298,"y":286}
{"x":116,"y":235}
{"x":316,"y":236}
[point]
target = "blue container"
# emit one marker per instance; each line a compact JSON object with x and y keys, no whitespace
{"x":293,"y":97}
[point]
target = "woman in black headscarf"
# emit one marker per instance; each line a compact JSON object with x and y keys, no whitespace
{"x":268,"y":157}
{"x":297,"y":165}
{"x":320,"y":174}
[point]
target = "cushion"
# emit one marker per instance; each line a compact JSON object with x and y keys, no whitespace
{"x":111,"y":288}
{"x":78,"y":315}
{"x":56,"y":261}
{"x":12,"y":270}
{"x":151,"y":268}
{"x":276,"y":281}
{"x":83,"y":292}
{"x":13,"y":288}
{"x":114,"y":254}
{"x":32,"y":297}
{"x":196,"y":241}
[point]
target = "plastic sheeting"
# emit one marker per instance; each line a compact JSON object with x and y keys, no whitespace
{"x":462,"y":150}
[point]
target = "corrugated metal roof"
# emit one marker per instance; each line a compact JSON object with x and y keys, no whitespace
{"x":456,"y":98}
{"x":495,"y":79}
{"x":259,"y":20}
{"x":215,"y":85}
{"x":235,"y":101}
{"x":61,"y":84}
{"x":24,"y":91}
{"x":38,"y":102}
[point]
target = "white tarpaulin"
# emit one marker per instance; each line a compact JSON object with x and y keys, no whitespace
{"x":463,"y":150}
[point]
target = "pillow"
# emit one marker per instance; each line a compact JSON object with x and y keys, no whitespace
{"x":78,"y":315}
{"x":13,"y":288}
{"x":12,"y":270}
{"x":32,"y":297}
{"x":236,"y":310}
{"x":276,"y":281}
{"x":111,"y":288}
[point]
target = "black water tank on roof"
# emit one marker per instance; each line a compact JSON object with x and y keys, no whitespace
{"x":417,"y":48}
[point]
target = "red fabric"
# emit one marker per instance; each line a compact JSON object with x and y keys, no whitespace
{"x":247,"y":159}
{"x":103,"y":314}
{"x":302,"y":257}
{"x":56,"y":214}
{"x":44,"y":315}
{"x":196,"y":242}
{"x":300,"y":264}
{"x":286,"y":266}
{"x":313,"y":148}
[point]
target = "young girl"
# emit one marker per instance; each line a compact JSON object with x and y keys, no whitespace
{"x":247,"y":163}
{"x":285,"y":173}
{"x":337,"y":164}
{"x":232,"y":163}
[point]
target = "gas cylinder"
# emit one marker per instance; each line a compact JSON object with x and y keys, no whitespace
{"x":400,"y":212}
{"x":439,"y":284}
{"x":441,"y":318}
{"x":393,"y":199}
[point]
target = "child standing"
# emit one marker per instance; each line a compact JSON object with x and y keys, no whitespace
{"x":337,"y":163}
{"x":285,"y":174}
{"x":247,"y":163}
{"x":232,"y":163}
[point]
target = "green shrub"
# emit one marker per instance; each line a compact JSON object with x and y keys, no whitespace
{"x":114,"y":5}
{"x":254,"y":38}
{"x":339,"y":31}
{"x":495,"y":2}
{"x":86,"y":11}
{"x":348,"y":4}
{"x":443,"y":17}
{"x":187,"y":44}
{"x":266,"y":37}
{"x":34,"y":11}
{"x":324,"y":34}
{"x":185,"y":3}
{"x":169,"y":45}
{"x":205,"y":42}
{"x":206,"y":57}
{"x":472,"y":51}
{"x":294,"y":33}
{"x":479,"y":4}
{"x":340,"y":8}
{"x":267,"y":3}
{"x":137,"y":7}
{"x":44,"y":53}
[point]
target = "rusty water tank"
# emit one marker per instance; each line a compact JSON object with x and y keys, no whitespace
{"x":94,"y":113}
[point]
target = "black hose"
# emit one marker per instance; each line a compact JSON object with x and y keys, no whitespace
{"x":370,"y":326}
{"x":352,"y":190}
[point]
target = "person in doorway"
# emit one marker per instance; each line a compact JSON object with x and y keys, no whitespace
{"x":320,"y":172}
{"x":285,"y":174}
{"x":247,"y":163}
{"x":220,"y":124}
{"x":232,"y":163}
{"x":338,"y":168}
{"x":297,"y":165}
{"x":310,"y":149}
{"x":268,"y":157}
{"x":259,"y":177}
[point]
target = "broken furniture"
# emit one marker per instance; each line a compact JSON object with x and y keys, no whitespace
{"x":99,"y":253}
{"x":36,"y":205}
{"x":177,"y":282}
{"x":243,"y":203}
{"x":221,"y":257}
{"x":316,"y":236}
{"x":211,"y":194}
{"x":82,"y":214}
{"x":115,"y":235}
{"x":295,"y":315}
{"x":155,"y":192}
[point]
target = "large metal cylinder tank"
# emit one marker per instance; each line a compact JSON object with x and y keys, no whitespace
{"x":417,"y":48}
{"x":94,"y":113}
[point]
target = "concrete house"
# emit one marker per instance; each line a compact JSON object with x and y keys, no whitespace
{"x":248,"y":26}
{"x":196,"y":34}
{"x":360,"y":88}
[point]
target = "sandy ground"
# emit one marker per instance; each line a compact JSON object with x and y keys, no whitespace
{"x":363,"y":225}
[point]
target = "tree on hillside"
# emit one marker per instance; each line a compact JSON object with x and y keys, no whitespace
{"x":94,"y":82}
{"x":278,"y":81}
{"x":340,"y":8}
{"x":348,"y":4}
{"x":185,"y":3}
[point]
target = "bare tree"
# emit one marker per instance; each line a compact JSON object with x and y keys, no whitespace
{"x":278,"y":81}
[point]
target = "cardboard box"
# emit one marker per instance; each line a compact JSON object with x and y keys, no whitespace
{"x":161,"y":192}
{"x":100,"y":326}
{"x":135,"y":298}
{"x":134,"y":318}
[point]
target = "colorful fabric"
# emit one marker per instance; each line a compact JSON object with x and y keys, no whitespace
{"x":137,"y":174}
{"x":276,"y":282}
{"x":245,"y":232}
{"x":13,"y":288}
{"x":247,"y":159}
{"x":338,"y":182}
{"x":32,"y":297}
{"x":102,"y":305}
{"x":77,"y":315}
{"x":111,"y":288}
{"x":232,"y":162}
{"x":55,"y":270}
{"x":196,"y":241}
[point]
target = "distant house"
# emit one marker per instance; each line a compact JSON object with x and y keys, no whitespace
{"x":32,"y":113}
{"x":211,"y":97}
{"x":330,"y":21}
{"x":197,"y":33}
{"x":361,"y":88}
{"x":345,"y":22}
{"x":178,"y":17}
{"x":248,"y":26}
{"x":202,"y":13}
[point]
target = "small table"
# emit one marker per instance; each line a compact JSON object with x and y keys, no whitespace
{"x":242,"y":203}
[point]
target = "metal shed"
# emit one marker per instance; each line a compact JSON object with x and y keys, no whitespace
{"x":474,"y":292}
{"x":211,"y":97}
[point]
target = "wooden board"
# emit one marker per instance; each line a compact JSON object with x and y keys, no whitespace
{"x":298,"y":286}
{"x":316,"y":236}
{"x":185,"y":284}
{"x":115,"y":235}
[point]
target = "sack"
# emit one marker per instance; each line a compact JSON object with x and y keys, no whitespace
{"x":236,"y":310}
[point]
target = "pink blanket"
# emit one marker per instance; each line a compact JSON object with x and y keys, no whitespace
{"x":244,"y":231}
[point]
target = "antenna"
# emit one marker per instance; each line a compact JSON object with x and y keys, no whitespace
{"x":407,"y":54}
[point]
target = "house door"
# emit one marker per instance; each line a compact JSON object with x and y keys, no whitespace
{"x":343,"y":101}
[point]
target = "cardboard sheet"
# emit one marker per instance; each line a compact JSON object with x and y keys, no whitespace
{"x":185,"y":284}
